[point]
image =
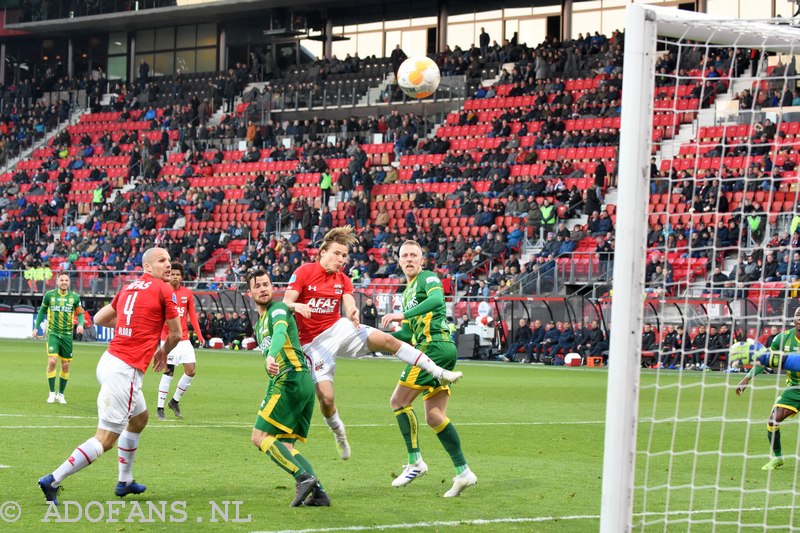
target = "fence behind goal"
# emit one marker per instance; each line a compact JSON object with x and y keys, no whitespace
{"x":706,"y":236}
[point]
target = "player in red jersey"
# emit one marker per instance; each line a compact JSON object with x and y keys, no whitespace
{"x":318,"y":293}
{"x":183,"y":354}
{"x":137,"y":315}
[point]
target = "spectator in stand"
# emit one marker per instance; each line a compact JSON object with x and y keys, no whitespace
{"x":369,"y":313}
{"x":522,"y":336}
{"x":537,"y":336}
{"x":697,"y":349}
{"x":581,"y":333}
{"x":549,"y":339}
{"x":565,"y":344}
{"x":649,"y":342}
{"x":597,"y":342}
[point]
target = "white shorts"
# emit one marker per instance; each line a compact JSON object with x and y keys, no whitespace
{"x":120,"y":397}
{"x":341,"y":339}
{"x":181,"y":354}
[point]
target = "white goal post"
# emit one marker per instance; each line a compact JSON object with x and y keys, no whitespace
{"x":645,"y":26}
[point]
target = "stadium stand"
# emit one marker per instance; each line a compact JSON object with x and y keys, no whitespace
{"x":533,"y":149}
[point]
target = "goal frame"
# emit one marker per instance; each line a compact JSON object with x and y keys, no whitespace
{"x":644,"y":24}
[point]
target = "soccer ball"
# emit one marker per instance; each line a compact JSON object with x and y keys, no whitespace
{"x":744,"y":353}
{"x":418,"y":77}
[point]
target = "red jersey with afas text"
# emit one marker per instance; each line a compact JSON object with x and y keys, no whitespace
{"x":186,"y":311}
{"x":142,"y":307}
{"x":322,"y":292}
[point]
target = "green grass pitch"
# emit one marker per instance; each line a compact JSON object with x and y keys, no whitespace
{"x":533,"y":435}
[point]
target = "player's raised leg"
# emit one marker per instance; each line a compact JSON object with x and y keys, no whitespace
{"x":380,"y":341}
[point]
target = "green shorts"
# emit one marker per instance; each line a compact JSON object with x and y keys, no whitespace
{"x":443,"y":354}
{"x":288,"y":405}
{"x":59,"y":345}
{"x":789,"y":399}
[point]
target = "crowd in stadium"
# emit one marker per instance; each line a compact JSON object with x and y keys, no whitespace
{"x":481,"y":264}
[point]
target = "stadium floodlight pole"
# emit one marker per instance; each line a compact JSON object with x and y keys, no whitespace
{"x":622,"y":398}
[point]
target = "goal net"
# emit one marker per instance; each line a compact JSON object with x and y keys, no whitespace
{"x":706,"y":254}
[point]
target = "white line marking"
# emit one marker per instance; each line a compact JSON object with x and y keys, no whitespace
{"x":524,"y":520}
{"x":245,"y":423}
{"x":186,"y":426}
{"x":5,"y":466}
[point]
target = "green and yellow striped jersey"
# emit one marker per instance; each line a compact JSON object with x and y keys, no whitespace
{"x":431,"y":326}
{"x":60,"y":310}
{"x":290,"y":357}
{"x":787,"y":342}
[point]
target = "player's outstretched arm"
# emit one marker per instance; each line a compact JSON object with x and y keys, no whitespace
{"x":742,"y":385}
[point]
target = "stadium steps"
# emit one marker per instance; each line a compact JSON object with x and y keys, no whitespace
{"x":216,"y":118}
{"x":670,"y":148}
{"x":373,"y":95}
{"x":44,"y":141}
{"x":739,"y":85}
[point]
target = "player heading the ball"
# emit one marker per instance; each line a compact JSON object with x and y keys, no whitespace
{"x":318,"y":293}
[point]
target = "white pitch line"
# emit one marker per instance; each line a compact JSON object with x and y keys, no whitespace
{"x":189,"y":425}
{"x":5,"y":466}
{"x":524,"y":520}
{"x":185,"y":426}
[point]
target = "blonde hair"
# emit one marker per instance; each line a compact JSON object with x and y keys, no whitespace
{"x":345,"y":235}
{"x":411,"y":242}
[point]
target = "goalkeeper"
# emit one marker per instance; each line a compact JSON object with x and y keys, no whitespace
{"x":784,"y":354}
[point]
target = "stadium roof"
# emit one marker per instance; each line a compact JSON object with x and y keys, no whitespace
{"x":342,"y":12}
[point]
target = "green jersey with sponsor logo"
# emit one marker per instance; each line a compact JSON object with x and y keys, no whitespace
{"x":60,"y":310}
{"x":787,"y":342}
{"x":290,"y":356}
{"x":431,"y":326}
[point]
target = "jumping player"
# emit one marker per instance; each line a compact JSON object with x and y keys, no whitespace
{"x":183,"y":354}
{"x":60,"y":307}
{"x":137,"y":315}
{"x":424,"y":318}
{"x":285,"y":414}
{"x":318,"y":293}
